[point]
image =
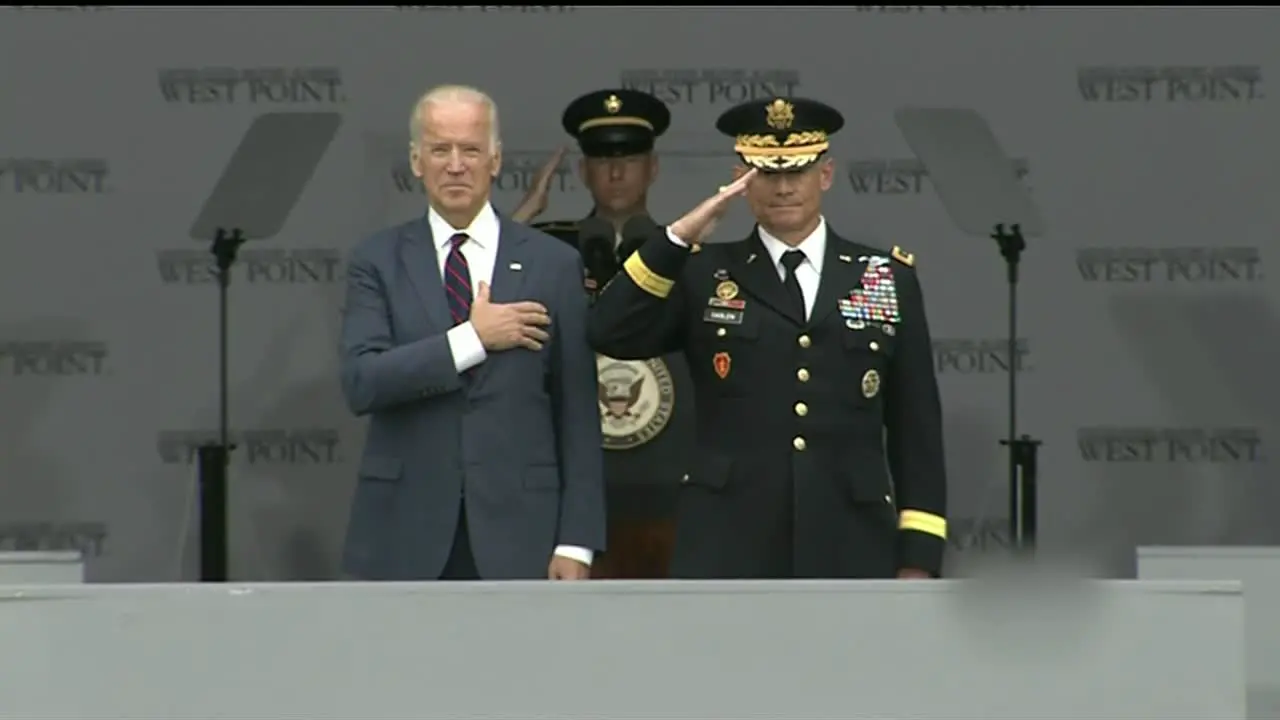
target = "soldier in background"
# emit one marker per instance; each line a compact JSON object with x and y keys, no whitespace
{"x":616,"y":131}
{"x":644,"y":427}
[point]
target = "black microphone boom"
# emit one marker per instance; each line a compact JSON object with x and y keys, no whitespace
{"x":595,"y":242}
{"x":635,"y":232}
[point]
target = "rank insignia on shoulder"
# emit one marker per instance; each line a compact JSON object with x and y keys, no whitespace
{"x":904,"y":257}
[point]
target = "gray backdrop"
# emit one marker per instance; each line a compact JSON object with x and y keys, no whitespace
{"x":1148,"y":320}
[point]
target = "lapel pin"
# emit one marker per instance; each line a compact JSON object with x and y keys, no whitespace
{"x":751,"y":258}
{"x":516,"y":267}
{"x":846,"y":259}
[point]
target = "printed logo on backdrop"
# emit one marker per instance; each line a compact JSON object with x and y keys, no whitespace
{"x":1170,"y":84}
{"x":712,"y":86}
{"x":263,"y":447}
{"x":979,"y":356}
{"x":942,"y":9}
{"x":34,"y":359}
{"x":978,"y":534}
{"x":904,"y":176}
{"x":55,"y":176}
{"x":519,"y":170}
{"x":289,"y":86}
{"x":524,"y":9}
{"x":87,"y":538}
{"x":1171,"y":445}
{"x":1179,"y":265}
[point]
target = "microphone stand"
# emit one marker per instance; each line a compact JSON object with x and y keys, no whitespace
{"x":214,"y":458}
{"x":1022,"y":449}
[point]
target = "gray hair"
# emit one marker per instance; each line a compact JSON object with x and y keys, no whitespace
{"x":455,"y":94}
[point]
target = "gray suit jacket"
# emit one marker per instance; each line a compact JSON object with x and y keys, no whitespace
{"x":519,"y":435}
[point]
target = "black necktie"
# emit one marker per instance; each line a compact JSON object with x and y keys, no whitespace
{"x":457,"y":280}
{"x":791,"y":260}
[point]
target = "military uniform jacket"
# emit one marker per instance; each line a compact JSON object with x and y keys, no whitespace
{"x":598,"y":270}
{"x":819,"y":441}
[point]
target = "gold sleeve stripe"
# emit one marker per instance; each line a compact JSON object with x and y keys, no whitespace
{"x":923,"y":522}
{"x":648,"y":280}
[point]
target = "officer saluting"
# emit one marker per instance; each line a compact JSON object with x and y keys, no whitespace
{"x":616,"y":130}
{"x":819,"y":429}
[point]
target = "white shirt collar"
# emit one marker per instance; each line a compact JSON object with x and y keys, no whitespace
{"x":814,"y":246}
{"x":483,"y":229}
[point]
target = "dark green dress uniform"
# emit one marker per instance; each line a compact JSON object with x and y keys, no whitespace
{"x":819,"y":448}
{"x":642,"y":472}
{"x":607,"y":123}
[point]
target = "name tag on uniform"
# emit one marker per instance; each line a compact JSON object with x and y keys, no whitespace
{"x":722,"y":316}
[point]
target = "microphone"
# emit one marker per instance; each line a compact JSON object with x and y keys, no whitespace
{"x":595,"y":242}
{"x":635,"y":232}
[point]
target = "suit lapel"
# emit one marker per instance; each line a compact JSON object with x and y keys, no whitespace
{"x":841,"y":272}
{"x":511,"y":265}
{"x":509,"y":269}
{"x":422,"y":265}
{"x":755,"y":272}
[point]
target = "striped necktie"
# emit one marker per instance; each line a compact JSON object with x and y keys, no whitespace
{"x":457,"y":280}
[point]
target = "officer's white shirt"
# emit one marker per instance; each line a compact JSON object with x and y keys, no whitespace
{"x":808,"y":273}
{"x":481,"y":252}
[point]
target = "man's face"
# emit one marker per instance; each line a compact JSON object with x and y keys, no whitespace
{"x":619,"y":184}
{"x":786,"y":202}
{"x":455,"y":156}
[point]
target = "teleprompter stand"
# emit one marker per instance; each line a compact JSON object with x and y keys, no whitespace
{"x":252,"y":200}
{"x":214,"y":458}
{"x":1022,"y":449}
{"x":976,"y":182}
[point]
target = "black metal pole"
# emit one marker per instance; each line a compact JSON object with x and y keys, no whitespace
{"x":215,"y":458}
{"x":1022,"y":449}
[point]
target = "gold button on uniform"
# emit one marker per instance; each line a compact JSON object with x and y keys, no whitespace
{"x":874,"y":345}
{"x":802,"y":375}
{"x":804,"y":341}
{"x":799,"y":444}
{"x":802,"y":409}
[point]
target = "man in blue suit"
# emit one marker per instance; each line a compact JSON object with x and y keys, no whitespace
{"x":464,"y":341}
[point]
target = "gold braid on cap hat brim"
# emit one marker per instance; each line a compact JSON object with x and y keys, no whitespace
{"x":616,"y":120}
{"x":769,"y":153}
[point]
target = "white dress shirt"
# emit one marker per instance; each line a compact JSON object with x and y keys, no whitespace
{"x":481,"y":252}
{"x":808,"y":272}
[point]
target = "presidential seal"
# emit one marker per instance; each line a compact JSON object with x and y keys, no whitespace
{"x":636,"y":400}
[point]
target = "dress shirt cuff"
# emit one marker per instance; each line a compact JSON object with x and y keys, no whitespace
{"x":573,"y":552}
{"x":675,"y":240}
{"x":465,"y":346}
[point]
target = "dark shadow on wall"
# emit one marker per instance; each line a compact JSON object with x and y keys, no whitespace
{"x":300,"y":520}
{"x":34,"y":486}
{"x":976,"y":483}
{"x":1212,"y":358}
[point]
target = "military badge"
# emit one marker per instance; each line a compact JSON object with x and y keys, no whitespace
{"x":721,"y":363}
{"x":870,"y":384}
{"x":876,"y":301}
{"x":727,"y":290}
